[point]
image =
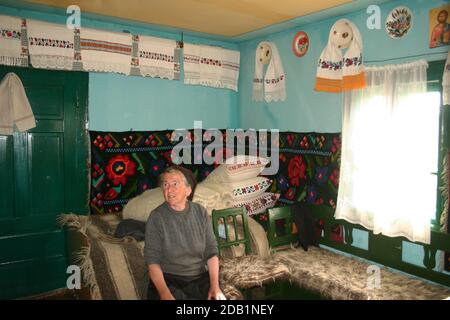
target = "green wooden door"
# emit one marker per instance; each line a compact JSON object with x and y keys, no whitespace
{"x":43,"y":173}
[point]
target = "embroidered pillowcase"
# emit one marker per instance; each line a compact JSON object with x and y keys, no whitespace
{"x":259,"y":203}
{"x":240,"y":190}
{"x":238,"y":168}
{"x":249,"y":188}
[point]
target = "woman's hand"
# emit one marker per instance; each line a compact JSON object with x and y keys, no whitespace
{"x":215,"y":293}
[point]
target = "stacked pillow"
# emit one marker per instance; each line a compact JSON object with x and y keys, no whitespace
{"x":210,"y":198}
{"x":238,"y":183}
{"x":140,"y":207}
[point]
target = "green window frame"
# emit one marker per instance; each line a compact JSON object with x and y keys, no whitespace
{"x":434,"y":75}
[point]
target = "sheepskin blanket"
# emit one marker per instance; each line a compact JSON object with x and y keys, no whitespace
{"x":113,"y":268}
{"x":252,"y":271}
{"x":336,"y":276}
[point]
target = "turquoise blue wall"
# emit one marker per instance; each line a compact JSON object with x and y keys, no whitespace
{"x":306,"y":110}
{"x":119,"y":102}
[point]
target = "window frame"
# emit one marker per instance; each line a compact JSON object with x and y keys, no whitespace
{"x":434,"y":84}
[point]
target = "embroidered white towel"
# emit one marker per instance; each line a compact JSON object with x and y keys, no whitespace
{"x":337,"y":72}
{"x":105,"y":51}
{"x":272,"y":85}
{"x":13,"y":46}
{"x":446,"y":82}
{"x":230,"y":68}
{"x":211,"y":66}
{"x":156,"y":57}
{"x":14,"y":106}
{"x":51,"y":45}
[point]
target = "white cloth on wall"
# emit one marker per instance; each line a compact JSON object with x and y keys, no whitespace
{"x":389,"y":134}
{"x":211,"y":66}
{"x":446,"y":82}
{"x":105,"y":51}
{"x":51,"y":45}
{"x":13,"y":43}
{"x":14,"y":106}
{"x":156,"y":57}
{"x":337,"y":72}
{"x":272,"y":85}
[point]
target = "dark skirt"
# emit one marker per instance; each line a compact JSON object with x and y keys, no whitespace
{"x":183,"y":288}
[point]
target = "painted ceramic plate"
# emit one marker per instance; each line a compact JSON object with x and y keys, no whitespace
{"x":300,"y":44}
{"x":398,"y":22}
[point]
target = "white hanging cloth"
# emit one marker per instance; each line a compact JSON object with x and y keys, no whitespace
{"x":51,"y":45}
{"x":156,"y":57}
{"x":14,"y":106}
{"x":105,"y":51}
{"x":383,"y":185}
{"x":446,"y":82}
{"x":272,"y":85}
{"x":211,"y":66}
{"x":337,"y":73}
{"x":13,"y":43}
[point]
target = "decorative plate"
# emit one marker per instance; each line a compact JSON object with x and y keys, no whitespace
{"x":300,"y":44}
{"x":398,"y":22}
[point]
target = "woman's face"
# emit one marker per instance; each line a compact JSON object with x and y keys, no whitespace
{"x":175,"y":190}
{"x":442,"y":16}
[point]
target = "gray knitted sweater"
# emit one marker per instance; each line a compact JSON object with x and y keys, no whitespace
{"x":181,"y":242}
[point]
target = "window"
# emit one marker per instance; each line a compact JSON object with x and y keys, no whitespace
{"x":390,"y":153}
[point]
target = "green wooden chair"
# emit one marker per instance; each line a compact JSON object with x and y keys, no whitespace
{"x":286,"y":237}
{"x":249,"y":273}
{"x":227,"y":217}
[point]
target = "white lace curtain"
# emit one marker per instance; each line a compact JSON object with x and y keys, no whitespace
{"x":389,"y":153}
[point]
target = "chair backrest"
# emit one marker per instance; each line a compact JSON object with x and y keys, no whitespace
{"x":273,"y":235}
{"x":231,"y":218}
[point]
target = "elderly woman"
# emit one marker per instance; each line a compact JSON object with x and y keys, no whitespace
{"x":180,"y":243}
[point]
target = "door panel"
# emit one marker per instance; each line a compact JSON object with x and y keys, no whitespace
{"x":46,"y":100}
{"x":44,"y":173}
{"x":47,"y":173}
{"x":6,"y":177}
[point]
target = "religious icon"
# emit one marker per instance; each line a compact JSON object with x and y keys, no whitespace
{"x":439,"y":26}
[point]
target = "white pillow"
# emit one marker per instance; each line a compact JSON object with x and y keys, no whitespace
{"x":140,"y":207}
{"x":259,"y":203}
{"x":238,"y":168}
{"x":240,"y":190}
{"x":210,"y":198}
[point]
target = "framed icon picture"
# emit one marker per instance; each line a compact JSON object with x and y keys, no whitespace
{"x":439,"y":27}
{"x":300,"y":44}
